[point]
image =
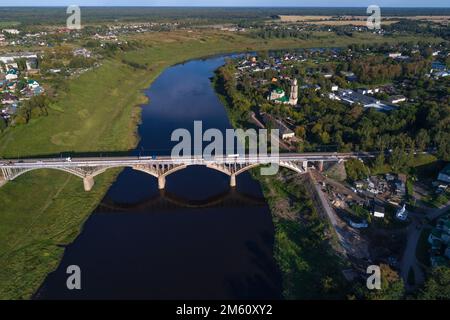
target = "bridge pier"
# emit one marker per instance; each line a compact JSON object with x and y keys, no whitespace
{"x":320,"y":165}
{"x":2,"y":181}
{"x":233,"y":181}
{"x":305,"y":165}
{"x":88,"y":183}
{"x":161,"y":182}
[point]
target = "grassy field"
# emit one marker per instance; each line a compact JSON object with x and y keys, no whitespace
{"x":98,"y":113}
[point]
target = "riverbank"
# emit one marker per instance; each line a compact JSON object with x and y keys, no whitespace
{"x":42,"y":211}
{"x":310,"y":267}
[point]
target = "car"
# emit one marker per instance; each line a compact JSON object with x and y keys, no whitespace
{"x":69,"y":159}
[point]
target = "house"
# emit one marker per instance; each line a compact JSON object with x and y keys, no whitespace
{"x":442,"y":74}
{"x":397,"y":99}
{"x":359,"y":184}
{"x":11,"y":31}
{"x":32,"y":84}
{"x":394,"y":55}
{"x":12,"y":74}
{"x":351,"y":97}
{"x":378,"y":211}
{"x":437,"y":66}
{"x":10,"y":58}
{"x":444,"y":174}
{"x":401,"y":213}
{"x":284,"y":132}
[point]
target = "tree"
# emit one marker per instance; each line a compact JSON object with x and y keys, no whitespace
{"x":422,"y":140}
{"x":21,"y":64}
{"x":392,"y":287}
{"x":300,"y":132}
{"x":398,"y":159}
{"x":3,"y":124}
{"x":356,"y":170}
{"x":437,"y":285}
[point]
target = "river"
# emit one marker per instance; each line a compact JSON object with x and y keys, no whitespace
{"x":198,"y":239}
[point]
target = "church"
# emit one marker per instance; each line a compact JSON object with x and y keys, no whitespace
{"x":279,"y":96}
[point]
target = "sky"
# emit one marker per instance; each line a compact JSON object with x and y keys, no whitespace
{"x":247,"y":3}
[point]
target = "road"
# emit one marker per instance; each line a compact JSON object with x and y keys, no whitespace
{"x":326,"y":208}
{"x":92,"y":161}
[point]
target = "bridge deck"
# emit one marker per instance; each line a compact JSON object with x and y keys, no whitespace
{"x":161,"y":160}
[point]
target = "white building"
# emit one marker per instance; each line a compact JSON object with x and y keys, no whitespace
{"x":401,"y":213}
{"x":10,"y":58}
{"x":11,"y":31}
{"x":397,"y":99}
{"x":394,"y":55}
{"x":378,"y":211}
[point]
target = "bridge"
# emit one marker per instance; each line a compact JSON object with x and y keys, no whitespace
{"x":161,"y":167}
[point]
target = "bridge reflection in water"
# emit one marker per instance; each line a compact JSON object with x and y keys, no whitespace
{"x":167,"y":200}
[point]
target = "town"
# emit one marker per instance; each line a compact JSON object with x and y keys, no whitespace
{"x":374,"y":206}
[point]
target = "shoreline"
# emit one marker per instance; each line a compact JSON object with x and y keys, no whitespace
{"x":287,"y":218}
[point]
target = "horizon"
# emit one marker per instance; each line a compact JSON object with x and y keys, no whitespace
{"x":234,"y":3}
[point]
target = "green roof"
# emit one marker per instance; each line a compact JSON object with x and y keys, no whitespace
{"x":279,"y":90}
{"x":283,"y":99}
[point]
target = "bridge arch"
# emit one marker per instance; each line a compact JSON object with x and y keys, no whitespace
{"x":20,"y":172}
{"x":281,"y":164}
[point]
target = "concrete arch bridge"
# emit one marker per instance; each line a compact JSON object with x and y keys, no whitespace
{"x":161,"y":167}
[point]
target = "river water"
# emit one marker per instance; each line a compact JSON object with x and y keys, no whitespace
{"x":198,"y":239}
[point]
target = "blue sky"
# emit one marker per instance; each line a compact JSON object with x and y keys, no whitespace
{"x":273,"y":3}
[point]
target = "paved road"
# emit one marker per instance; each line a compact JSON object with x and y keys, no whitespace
{"x":314,"y":156}
{"x":330,"y":213}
